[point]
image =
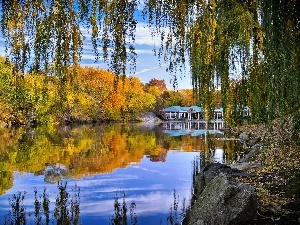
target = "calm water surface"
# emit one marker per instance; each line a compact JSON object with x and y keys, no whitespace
{"x":147,"y":166}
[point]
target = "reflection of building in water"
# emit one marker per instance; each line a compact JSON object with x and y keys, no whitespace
{"x":218,"y":155}
{"x":194,"y":125}
{"x":192,"y":128}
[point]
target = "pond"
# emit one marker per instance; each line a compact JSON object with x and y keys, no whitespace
{"x":103,"y":174}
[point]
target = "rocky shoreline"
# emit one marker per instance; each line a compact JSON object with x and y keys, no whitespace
{"x":219,"y":199}
{"x":256,"y":189}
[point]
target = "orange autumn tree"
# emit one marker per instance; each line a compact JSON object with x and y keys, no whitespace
{"x":137,"y":100}
{"x":107,"y":99}
{"x":187,"y":97}
{"x":160,"y":84}
{"x":85,"y":99}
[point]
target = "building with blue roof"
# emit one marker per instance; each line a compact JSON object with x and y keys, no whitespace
{"x":189,"y":113}
{"x":183,"y":113}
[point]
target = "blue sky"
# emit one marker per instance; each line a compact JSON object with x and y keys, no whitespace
{"x":147,"y":66}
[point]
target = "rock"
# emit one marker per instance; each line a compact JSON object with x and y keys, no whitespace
{"x":254,"y":150}
{"x":148,"y":120}
{"x":245,"y":166}
{"x":149,"y":117}
{"x":207,"y":174}
{"x":243,"y":137}
{"x":254,"y":141}
{"x":248,"y":140}
{"x":221,"y":200}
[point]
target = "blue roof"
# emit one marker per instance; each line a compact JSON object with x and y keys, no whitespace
{"x":173,"y":109}
{"x":201,"y":132}
{"x":175,"y":133}
{"x":182,"y":109}
{"x":197,"y":108}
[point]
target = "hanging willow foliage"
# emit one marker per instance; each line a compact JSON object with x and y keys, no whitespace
{"x":248,"y":48}
{"x":47,"y":34}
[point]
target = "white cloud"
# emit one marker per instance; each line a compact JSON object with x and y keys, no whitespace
{"x":143,"y":51}
{"x":146,"y":204}
{"x":145,"y":70}
{"x":89,"y":56}
{"x":144,"y":36}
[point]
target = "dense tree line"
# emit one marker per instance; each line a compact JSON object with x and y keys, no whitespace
{"x":92,"y":97}
{"x":248,"y":44}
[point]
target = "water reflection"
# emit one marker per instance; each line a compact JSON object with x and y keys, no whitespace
{"x":67,"y":209}
{"x":147,"y":164}
{"x":120,"y":216}
{"x":192,"y":126}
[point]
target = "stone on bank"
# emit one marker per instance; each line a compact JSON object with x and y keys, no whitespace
{"x":219,"y":199}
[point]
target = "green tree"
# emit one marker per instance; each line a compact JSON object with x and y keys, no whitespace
{"x":6,"y":89}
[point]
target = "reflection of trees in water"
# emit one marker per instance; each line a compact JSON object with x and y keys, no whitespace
{"x":85,"y":150}
{"x":174,"y":217}
{"x":55,"y":174}
{"x":17,"y":214}
{"x":67,"y":209}
{"x":198,"y":163}
{"x":120,"y":215}
{"x":6,"y":179}
{"x":160,"y":157}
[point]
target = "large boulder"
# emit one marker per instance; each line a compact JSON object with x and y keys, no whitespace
{"x":219,"y":199}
